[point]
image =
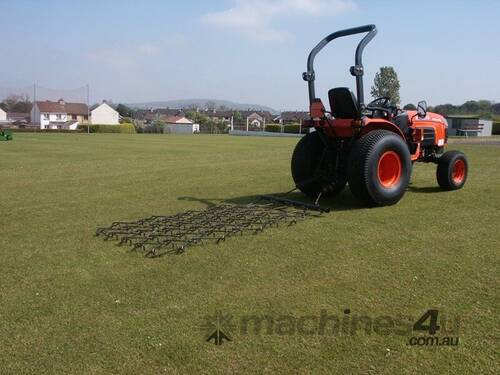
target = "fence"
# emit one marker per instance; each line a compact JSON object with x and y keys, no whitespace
{"x":296,"y":128}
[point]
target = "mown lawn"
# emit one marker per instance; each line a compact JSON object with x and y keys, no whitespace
{"x":72,"y":303}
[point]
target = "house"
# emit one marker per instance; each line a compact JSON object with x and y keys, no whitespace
{"x":180,"y":125}
{"x":148,"y":116}
{"x":255,"y":120}
{"x":104,"y":115}
{"x":469,"y":126}
{"x":292,"y":117}
{"x":18,"y":118}
{"x":59,"y":115}
{"x":3,"y":116}
{"x":219,"y":115}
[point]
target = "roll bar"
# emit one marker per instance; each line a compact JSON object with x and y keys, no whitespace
{"x":356,"y":70}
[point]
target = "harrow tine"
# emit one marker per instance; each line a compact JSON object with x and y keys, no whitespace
{"x":157,"y":235}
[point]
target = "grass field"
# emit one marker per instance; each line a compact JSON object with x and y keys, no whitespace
{"x":72,"y":303}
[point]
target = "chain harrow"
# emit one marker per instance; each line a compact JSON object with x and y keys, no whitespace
{"x":156,"y":236}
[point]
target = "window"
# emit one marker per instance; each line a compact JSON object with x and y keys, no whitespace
{"x":45,"y":116}
{"x":58,"y":116}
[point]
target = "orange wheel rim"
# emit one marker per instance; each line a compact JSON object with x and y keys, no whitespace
{"x":458,"y":172}
{"x":389,"y":169}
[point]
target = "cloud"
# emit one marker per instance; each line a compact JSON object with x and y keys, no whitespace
{"x":255,"y":18}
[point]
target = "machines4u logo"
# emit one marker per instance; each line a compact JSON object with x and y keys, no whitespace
{"x":217,"y":327}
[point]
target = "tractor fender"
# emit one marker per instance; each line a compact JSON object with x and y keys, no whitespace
{"x":380,"y":124}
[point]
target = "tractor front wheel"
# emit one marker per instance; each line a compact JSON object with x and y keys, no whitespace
{"x":379,"y":168}
{"x":451,"y":172}
{"x":313,"y":167}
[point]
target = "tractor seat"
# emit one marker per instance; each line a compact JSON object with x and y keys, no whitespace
{"x":343,"y":103}
{"x":402,"y":122}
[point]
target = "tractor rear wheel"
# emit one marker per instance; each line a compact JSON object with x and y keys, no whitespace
{"x":313,"y":167}
{"x":451,"y":172}
{"x":379,"y":168}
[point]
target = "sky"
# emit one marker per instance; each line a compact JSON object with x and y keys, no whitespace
{"x":251,"y":51}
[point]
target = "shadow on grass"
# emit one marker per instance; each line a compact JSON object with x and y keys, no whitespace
{"x":345,"y":201}
{"x":425,"y":189}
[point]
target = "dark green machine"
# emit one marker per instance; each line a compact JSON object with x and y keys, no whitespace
{"x":5,"y":135}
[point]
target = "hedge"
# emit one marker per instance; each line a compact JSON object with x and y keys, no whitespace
{"x":496,"y":128}
{"x":38,"y":130}
{"x":273,"y":128}
{"x":96,"y":128}
{"x":295,"y":129}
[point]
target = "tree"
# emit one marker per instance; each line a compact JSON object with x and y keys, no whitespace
{"x":470,"y":106}
{"x":386,"y":83}
{"x":125,"y":111}
{"x":17,"y":103}
{"x":446,"y":109}
{"x":410,"y":107}
{"x":237,"y":117}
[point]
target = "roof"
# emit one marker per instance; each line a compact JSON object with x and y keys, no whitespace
{"x":255,"y":116}
{"x":18,"y":116}
{"x":63,"y":107}
{"x":150,"y":114}
{"x":264,"y":114}
{"x":218,"y":113}
{"x":294,"y":115}
{"x":177,"y":119}
{"x":104,"y":105}
{"x":462,"y":117}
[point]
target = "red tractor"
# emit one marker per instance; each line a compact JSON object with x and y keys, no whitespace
{"x":373,"y":146}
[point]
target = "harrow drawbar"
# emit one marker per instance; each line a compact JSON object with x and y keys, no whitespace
{"x":161,"y":235}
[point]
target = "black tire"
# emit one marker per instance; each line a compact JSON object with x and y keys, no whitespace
{"x":367,"y":180}
{"x":310,"y":168}
{"x":452,"y":170}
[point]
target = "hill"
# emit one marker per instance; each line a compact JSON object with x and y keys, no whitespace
{"x":201,"y":103}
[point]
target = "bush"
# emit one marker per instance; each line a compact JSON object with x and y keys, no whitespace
{"x":273,"y":128}
{"x":496,"y":128}
{"x":96,"y":128}
{"x":295,"y":129}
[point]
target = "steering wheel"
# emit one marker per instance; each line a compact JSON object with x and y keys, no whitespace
{"x":382,"y":104}
{"x":379,"y":104}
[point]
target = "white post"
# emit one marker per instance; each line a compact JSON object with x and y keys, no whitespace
{"x":247,"y":123}
{"x":88,"y":109}
{"x":264,"y":127}
{"x":232,"y":122}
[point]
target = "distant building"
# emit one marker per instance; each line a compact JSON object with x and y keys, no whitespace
{"x":469,"y":126}
{"x":219,"y":115}
{"x":104,"y":115}
{"x":180,"y":125}
{"x":255,"y":120}
{"x":18,"y":118}
{"x":59,"y":115}
{"x":148,"y":116}
{"x":3,"y":116}
{"x":292,"y":117}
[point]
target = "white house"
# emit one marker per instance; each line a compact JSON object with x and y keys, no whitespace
{"x":3,"y":115}
{"x":59,"y":115}
{"x":180,"y":124}
{"x":104,"y":115}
